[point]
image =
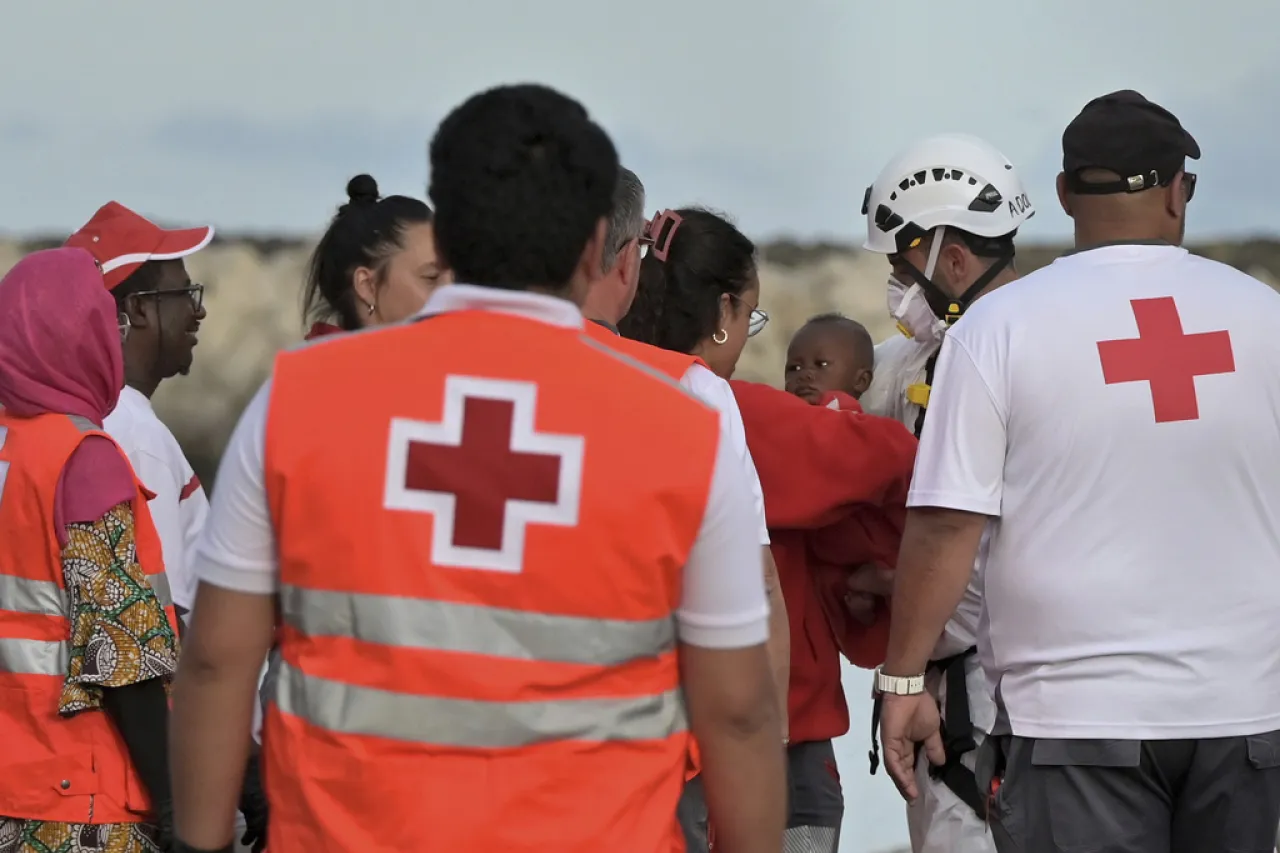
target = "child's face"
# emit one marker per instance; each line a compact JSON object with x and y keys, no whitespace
{"x":822,"y":358}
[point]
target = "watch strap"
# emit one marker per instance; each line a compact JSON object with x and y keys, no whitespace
{"x":898,"y":685}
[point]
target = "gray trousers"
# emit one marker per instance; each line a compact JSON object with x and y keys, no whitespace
{"x":691,"y":811}
{"x":1219,"y":795}
{"x":268,"y":687}
{"x":816,"y":803}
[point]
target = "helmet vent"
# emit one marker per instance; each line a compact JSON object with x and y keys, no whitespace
{"x":988,"y":200}
{"x":886,"y":219}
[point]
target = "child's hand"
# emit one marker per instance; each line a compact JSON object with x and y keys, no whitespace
{"x":864,"y":586}
{"x":861,"y":607}
{"x":871,"y":579}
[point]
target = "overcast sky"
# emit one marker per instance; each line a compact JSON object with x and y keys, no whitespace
{"x":252,"y":114}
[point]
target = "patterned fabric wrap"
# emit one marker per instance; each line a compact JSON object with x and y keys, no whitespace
{"x":119,"y":636}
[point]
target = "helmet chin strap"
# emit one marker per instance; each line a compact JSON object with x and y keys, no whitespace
{"x":951,"y":306}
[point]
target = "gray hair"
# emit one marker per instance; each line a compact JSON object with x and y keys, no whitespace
{"x":627,"y":221}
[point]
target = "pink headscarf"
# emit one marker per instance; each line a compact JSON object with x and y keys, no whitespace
{"x":60,"y":348}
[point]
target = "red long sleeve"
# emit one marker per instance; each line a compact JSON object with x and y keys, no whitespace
{"x":837,"y":479}
{"x":814,"y":462}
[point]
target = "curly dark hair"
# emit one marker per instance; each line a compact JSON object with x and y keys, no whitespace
{"x":520,"y":177}
{"x":864,"y":348}
{"x":677,"y":304}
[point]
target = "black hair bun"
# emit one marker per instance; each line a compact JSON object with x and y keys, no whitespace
{"x":362,"y":189}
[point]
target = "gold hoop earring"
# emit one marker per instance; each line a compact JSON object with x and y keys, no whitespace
{"x":720,"y":337}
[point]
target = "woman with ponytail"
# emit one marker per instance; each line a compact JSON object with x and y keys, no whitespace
{"x":376,"y":263}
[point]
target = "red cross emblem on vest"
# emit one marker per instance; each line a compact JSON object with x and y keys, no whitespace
{"x":1166,"y":358}
{"x":484,"y":473}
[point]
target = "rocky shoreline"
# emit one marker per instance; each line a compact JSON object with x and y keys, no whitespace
{"x":252,"y":288}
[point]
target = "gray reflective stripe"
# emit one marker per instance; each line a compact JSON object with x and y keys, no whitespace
{"x":160,"y":586}
{"x":84,"y":424}
{"x":34,"y":657}
{"x":492,"y":631}
{"x":467,"y":724}
{"x":23,"y":595}
{"x":639,"y":365}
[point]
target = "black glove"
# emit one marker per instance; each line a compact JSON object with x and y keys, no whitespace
{"x":164,"y":826}
{"x":253,"y":805}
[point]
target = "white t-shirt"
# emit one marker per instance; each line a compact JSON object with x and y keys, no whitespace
{"x":718,"y":394}
{"x":179,"y":507}
{"x":1132,"y":584}
{"x":900,"y":363}
{"x":723,"y":602}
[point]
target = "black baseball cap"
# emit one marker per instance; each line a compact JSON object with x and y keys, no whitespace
{"x":1125,"y":133}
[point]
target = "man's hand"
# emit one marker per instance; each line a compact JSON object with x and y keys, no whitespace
{"x":733,"y":714}
{"x":213,"y":698}
{"x":904,"y":722}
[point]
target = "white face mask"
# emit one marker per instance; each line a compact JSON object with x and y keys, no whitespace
{"x":915,"y":318}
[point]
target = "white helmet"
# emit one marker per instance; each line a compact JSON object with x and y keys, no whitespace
{"x":951,"y":180}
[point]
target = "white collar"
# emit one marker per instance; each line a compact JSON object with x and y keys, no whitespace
{"x":532,"y":306}
{"x":135,"y":396}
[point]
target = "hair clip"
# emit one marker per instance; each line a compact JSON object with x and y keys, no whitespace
{"x":660,"y":230}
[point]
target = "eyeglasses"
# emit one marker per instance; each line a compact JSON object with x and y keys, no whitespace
{"x":194,"y":292}
{"x":1189,"y":184}
{"x":758,"y":319}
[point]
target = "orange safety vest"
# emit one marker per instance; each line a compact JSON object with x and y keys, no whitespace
{"x":53,"y":768}
{"x":670,"y":364}
{"x":479,"y":667}
{"x":673,"y":365}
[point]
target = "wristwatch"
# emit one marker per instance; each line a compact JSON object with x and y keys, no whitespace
{"x":897,"y":685}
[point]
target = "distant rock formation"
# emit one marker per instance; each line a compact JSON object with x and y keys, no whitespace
{"x":252,"y":289}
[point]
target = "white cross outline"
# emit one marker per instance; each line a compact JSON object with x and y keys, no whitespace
{"x":517,"y":514}
{"x":4,"y":466}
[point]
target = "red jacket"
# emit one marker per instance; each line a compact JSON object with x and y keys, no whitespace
{"x":320,"y":330}
{"x":835,"y":488}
